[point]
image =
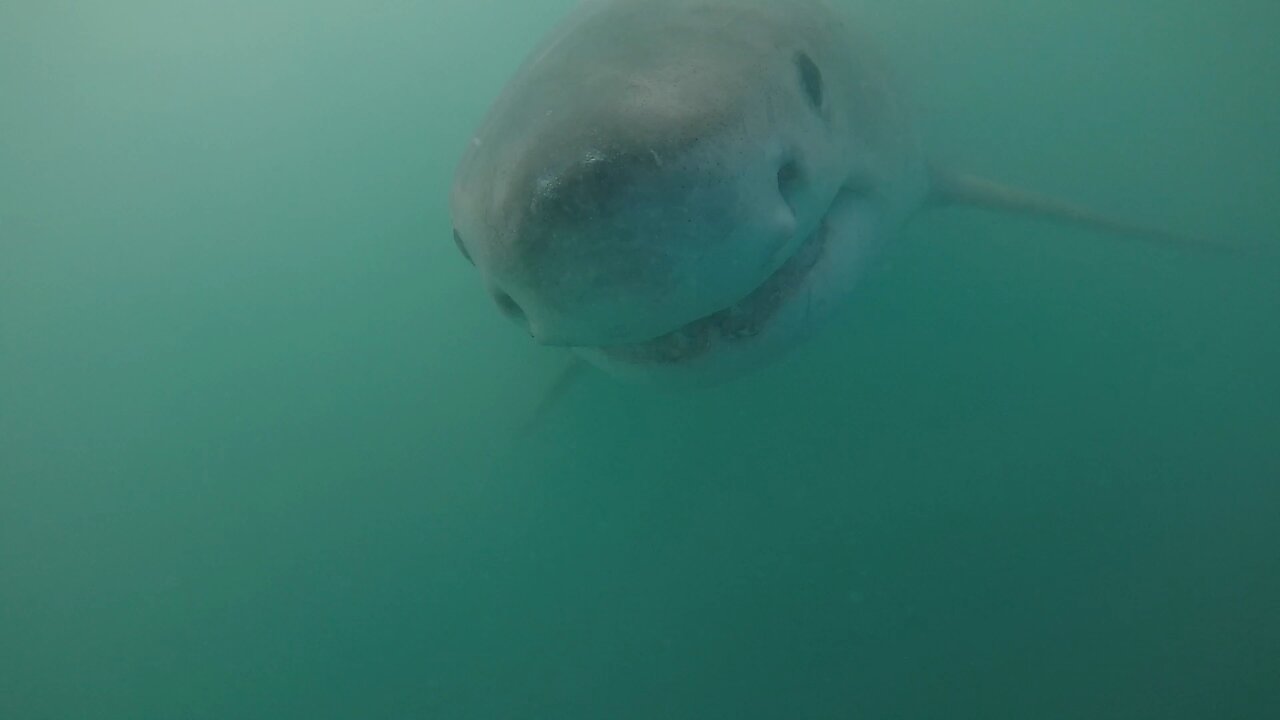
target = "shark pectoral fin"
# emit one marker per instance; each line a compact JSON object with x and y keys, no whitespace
{"x":951,"y":188}
{"x":568,"y":376}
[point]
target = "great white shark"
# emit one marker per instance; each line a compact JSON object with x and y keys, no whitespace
{"x":682,"y":190}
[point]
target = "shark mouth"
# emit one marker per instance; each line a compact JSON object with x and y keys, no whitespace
{"x":741,"y":321}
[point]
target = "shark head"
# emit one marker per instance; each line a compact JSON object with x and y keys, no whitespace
{"x":684,"y":187}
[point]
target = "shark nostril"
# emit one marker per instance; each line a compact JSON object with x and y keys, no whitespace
{"x":790,"y":180}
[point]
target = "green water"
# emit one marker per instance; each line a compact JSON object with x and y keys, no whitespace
{"x":259,"y":424}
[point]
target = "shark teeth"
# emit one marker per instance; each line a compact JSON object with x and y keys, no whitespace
{"x":741,"y":321}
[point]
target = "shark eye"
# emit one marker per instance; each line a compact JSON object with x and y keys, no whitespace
{"x":810,"y":79}
{"x":457,"y":240}
{"x":508,"y":305}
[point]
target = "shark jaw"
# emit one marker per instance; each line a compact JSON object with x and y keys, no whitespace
{"x":737,"y":323}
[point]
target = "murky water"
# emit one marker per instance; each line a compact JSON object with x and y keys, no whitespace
{"x":260,"y":428}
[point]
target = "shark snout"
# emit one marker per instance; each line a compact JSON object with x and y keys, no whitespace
{"x":625,"y":248}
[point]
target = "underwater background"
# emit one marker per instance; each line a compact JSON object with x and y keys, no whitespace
{"x":261,"y":430}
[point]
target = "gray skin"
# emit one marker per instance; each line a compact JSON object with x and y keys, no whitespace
{"x":682,"y":189}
